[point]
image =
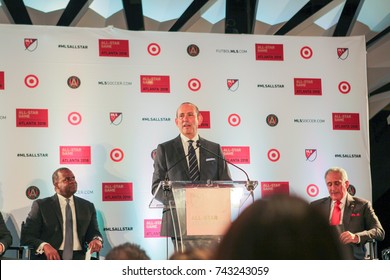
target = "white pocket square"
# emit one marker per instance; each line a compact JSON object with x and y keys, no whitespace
{"x":210,"y":159}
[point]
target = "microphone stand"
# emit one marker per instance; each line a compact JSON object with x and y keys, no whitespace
{"x":167,"y":188}
{"x":250,"y":186}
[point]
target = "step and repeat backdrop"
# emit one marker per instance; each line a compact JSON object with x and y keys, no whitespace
{"x":99,"y":101}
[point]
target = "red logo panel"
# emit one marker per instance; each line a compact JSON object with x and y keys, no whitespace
{"x":159,"y":84}
{"x":75,"y":155}
{"x":117,"y":191}
{"x":237,"y":155}
{"x":271,"y":188}
{"x":152,"y":228}
{"x":114,"y":48}
{"x":346,"y":121}
{"x":206,"y":123}
{"x":269,"y":52}
{"x":307,"y":86}
{"x":2,"y":81}
{"x":32,"y":118}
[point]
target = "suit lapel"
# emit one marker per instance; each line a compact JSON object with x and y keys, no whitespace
{"x":57,"y":210}
{"x":179,"y":155}
{"x":348,"y":209}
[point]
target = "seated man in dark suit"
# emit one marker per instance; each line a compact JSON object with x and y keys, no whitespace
{"x":62,"y":226}
{"x":5,"y":236}
{"x":354,"y":216}
{"x":173,"y":160}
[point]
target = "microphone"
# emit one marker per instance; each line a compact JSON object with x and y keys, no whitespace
{"x":166,"y":184}
{"x":250,"y":185}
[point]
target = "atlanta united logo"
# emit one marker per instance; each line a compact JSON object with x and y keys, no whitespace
{"x":73,"y":82}
{"x":32,"y":192}
{"x":193,"y":50}
{"x":272,"y":120}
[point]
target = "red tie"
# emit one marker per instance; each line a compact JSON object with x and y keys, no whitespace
{"x":336,"y":215}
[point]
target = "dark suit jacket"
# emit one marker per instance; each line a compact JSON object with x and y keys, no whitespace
{"x":5,"y":234}
{"x":359,"y":218}
{"x":45,"y":224}
{"x":172,"y":152}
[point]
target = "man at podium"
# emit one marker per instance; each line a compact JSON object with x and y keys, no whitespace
{"x":188,"y":157}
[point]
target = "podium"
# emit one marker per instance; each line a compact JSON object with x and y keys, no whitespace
{"x":201,"y":212}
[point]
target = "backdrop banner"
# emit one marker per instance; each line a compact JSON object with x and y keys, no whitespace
{"x":99,"y":101}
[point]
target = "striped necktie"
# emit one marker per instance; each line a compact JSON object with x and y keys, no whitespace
{"x":193,"y":162}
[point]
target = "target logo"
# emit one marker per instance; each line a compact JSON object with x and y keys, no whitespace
{"x":117,"y":155}
{"x":273,"y":155}
{"x":306,"y":52}
{"x":312,"y":190}
{"x":194,"y":84}
{"x":31,"y":81}
{"x":74,"y":118}
{"x":344,"y":87}
{"x":154,"y":49}
{"x":234,"y":120}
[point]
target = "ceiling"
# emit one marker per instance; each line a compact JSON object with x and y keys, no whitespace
{"x":370,"y":18}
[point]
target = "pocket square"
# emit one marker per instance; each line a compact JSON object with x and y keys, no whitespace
{"x":210,"y":159}
{"x":355,"y":215}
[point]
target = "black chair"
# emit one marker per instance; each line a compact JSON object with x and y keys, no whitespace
{"x":386,"y":254}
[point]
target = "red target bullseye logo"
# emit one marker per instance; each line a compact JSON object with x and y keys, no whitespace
{"x":234,"y":120}
{"x":312,"y":190}
{"x":306,"y":52}
{"x":154,"y":49}
{"x":194,"y":84}
{"x":31,"y":81}
{"x":74,"y":118}
{"x":117,"y":155}
{"x":344,"y":87}
{"x":273,"y":155}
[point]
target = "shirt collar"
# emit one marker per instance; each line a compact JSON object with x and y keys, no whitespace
{"x":185,"y":139}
